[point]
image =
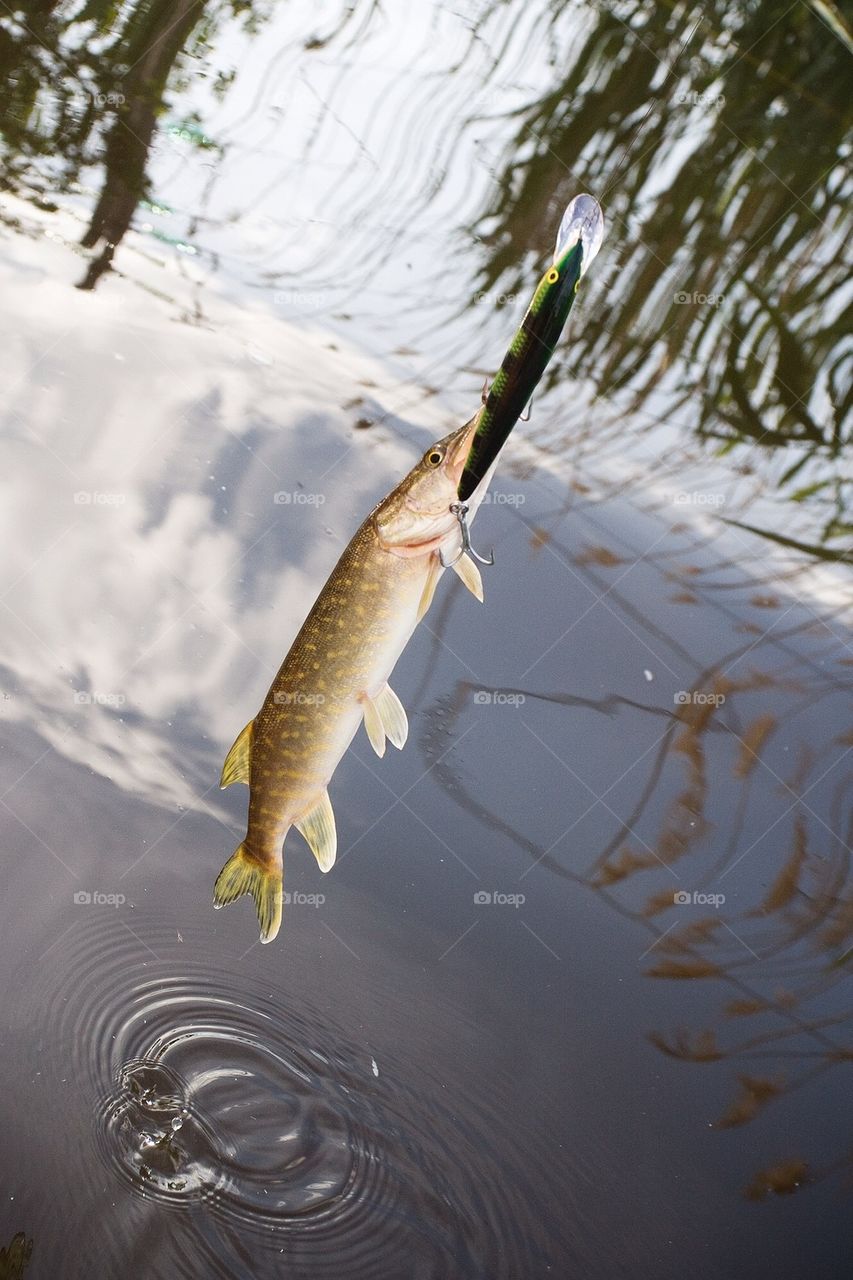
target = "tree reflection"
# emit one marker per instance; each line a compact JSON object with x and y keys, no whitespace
{"x":734,"y":875}
{"x":15,"y":1256}
{"x":716,"y":138}
{"x":88,"y":84}
{"x":728,"y":185}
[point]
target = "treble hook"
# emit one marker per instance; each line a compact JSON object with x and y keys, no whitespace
{"x":460,"y":510}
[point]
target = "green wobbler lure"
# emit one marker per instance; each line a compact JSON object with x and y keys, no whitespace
{"x":578,"y":241}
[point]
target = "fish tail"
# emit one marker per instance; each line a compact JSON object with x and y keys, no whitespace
{"x":243,"y":873}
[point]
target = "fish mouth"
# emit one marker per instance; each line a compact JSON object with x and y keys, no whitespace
{"x":459,"y":451}
{"x":435,"y":518}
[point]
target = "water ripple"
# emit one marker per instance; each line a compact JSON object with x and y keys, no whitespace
{"x":265,"y":1117}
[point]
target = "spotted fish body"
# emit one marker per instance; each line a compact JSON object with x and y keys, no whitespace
{"x":336,"y":675}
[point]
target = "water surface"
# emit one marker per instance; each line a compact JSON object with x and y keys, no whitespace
{"x":575,"y":999}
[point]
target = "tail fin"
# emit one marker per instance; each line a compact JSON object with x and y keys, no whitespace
{"x":244,"y":874}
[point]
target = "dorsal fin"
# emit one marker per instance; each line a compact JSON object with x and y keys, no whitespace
{"x":236,"y":766}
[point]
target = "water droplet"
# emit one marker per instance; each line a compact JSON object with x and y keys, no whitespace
{"x":177,"y":1122}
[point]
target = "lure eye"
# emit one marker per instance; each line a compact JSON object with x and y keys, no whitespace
{"x":435,"y":457}
{"x":553,"y":276}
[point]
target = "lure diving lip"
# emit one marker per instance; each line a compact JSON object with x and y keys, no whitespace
{"x":579,"y":239}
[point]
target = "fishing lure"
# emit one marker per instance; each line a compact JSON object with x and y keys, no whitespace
{"x":578,"y":241}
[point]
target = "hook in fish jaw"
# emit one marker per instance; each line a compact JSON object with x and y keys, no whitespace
{"x":460,"y":510}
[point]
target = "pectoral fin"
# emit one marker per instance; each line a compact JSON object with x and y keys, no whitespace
{"x":236,"y":766}
{"x":318,"y":828}
{"x":470,"y":575}
{"x":429,"y":586}
{"x":384,"y":717}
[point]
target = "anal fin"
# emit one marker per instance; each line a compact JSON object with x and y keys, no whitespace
{"x":236,"y":766}
{"x":318,"y":828}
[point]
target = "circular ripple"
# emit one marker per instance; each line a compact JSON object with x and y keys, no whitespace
{"x":214,"y":1109}
{"x":261,"y":1114}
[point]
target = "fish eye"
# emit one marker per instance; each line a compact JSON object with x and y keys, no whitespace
{"x":435,"y":457}
{"x":553,"y":276}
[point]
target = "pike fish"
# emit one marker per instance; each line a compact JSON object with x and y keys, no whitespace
{"x":336,"y":674}
{"x":337,"y":671}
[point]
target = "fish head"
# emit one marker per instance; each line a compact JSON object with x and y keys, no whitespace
{"x":416,"y":517}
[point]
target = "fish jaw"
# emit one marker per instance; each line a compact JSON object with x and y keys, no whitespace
{"x":457,"y":453}
{"x":411,"y":550}
{"x":416,"y":517}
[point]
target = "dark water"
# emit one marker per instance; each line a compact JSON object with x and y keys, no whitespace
{"x":253,"y":258}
